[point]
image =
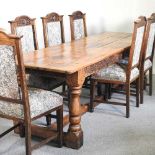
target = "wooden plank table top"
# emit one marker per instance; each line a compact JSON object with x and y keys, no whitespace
{"x":75,"y":61}
{"x":70,"y":57}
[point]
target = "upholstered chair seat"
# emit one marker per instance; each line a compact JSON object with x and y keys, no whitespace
{"x":147,"y":64}
{"x":40,"y":102}
{"x":115,"y":72}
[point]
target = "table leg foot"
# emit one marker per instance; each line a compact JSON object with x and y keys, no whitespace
{"x":73,"y":140}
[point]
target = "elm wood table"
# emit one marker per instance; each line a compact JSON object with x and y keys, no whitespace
{"x":75,"y":61}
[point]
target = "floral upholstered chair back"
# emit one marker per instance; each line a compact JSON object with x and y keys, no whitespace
{"x":138,"y":41}
{"x":150,"y":36}
{"x":11,"y":79}
{"x":53,"y":29}
{"x":25,"y":26}
{"x":8,"y":76}
{"x":78,"y":25}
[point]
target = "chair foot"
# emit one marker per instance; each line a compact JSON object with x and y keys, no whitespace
{"x":127,"y":116}
{"x":60,"y":144}
{"x":91,"y":110}
{"x":22,"y":130}
{"x":48,"y":119}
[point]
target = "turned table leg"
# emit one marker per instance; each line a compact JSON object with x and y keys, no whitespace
{"x":74,"y":137}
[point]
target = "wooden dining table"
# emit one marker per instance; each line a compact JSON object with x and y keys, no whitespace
{"x":75,"y":61}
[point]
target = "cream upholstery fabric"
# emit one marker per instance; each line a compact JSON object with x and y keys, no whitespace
{"x":8,"y":77}
{"x":150,"y":40}
{"x":78,"y":29}
{"x":115,"y":72}
{"x":147,"y":64}
{"x":27,"y":39}
{"x":40,"y":101}
{"x":54,"y":33}
{"x":138,"y":45}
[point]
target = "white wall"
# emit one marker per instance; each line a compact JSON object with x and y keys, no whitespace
{"x":102,"y":15}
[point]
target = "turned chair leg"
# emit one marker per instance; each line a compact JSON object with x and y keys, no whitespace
{"x":92,"y":95}
{"x":22,"y":130}
{"x":99,"y":89}
{"x":69,"y":96}
{"x":28,"y":138}
{"x":60,"y":126}
{"x":63,"y":88}
{"x":106,"y":92}
{"x":137,"y":92}
{"x":109,"y":91}
{"x":127,"y":100}
{"x":142,"y":88}
{"x":150,"y":81}
{"x":48,"y":119}
{"x":145,"y":81}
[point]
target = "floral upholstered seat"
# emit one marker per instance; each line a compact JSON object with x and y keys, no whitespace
{"x":147,"y":64}
{"x":40,"y":101}
{"x":115,"y":72}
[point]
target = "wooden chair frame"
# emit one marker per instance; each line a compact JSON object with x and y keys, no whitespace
{"x":25,"y":21}
{"x":74,"y":16}
{"x":52,"y":17}
{"x":139,"y":23}
{"x":149,"y":22}
{"x":15,"y":42}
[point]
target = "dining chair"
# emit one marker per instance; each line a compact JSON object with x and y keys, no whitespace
{"x":53,"y":32}
{"x":53,"y":29}
{"x":17,"y":101}
{"x":25,"y":26}
{"x":78,"y":25}
{"x":120,"y":73}
{"x":147,"y":58}
{"x":78,"y":31}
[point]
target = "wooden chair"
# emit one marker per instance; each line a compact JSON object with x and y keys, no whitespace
{"x":123,"y":74}
{"x":53,"y":29}
{"x":79,"y":30}
{"x":78,"y":25}
{"x":25,"y":26}
{"x":19,"y":103}
{"x":147,"y":59}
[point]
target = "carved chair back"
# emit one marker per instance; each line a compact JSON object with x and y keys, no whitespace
{"x":78,"y":25}
{"x":25,"y":26}
{"x":136,"y":46}
{"x":12,"y":76}
{"x":53,"y":29}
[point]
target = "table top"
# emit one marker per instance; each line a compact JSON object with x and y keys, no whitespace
{"x":71,"y":57}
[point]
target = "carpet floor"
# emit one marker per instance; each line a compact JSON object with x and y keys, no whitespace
{"x":106,"y":132}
